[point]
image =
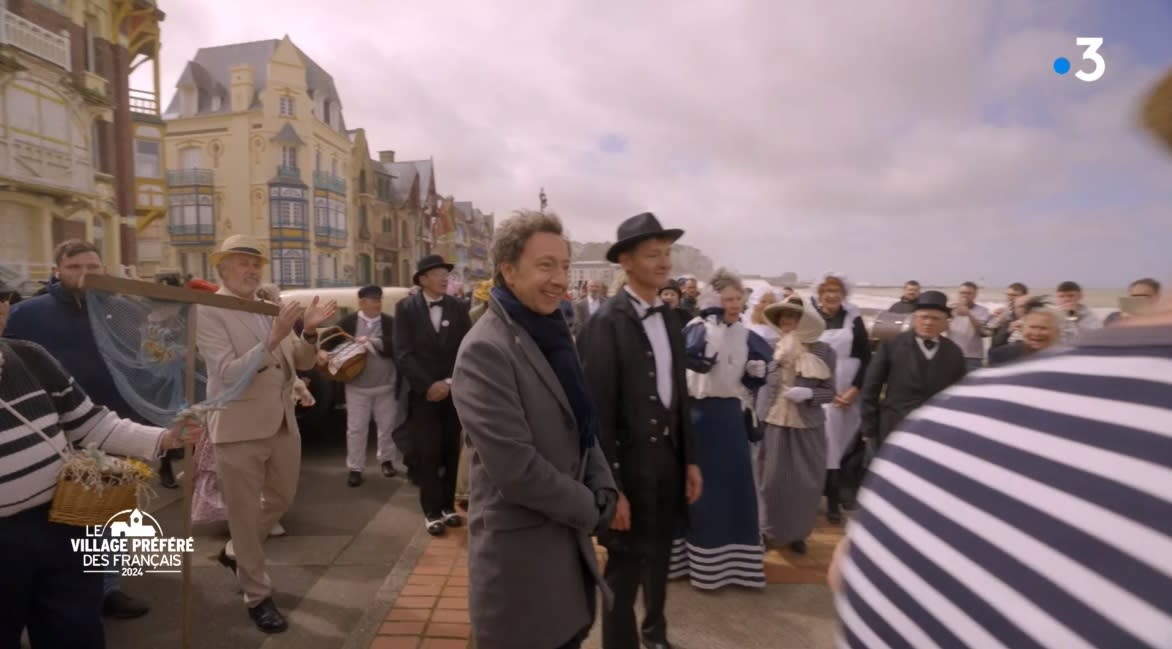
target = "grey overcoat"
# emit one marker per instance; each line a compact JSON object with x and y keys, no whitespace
{"x":532,"y":573}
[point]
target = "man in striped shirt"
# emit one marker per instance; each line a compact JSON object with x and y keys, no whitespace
{"x":44,"y":586}
{"x":1029,"y":506}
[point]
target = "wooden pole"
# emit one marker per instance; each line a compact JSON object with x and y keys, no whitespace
{"x":189,"y":470}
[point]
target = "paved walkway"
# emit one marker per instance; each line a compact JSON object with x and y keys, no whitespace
{"x":795,"y":612}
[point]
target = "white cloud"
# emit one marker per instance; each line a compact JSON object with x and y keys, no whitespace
{"x":827,"y":134}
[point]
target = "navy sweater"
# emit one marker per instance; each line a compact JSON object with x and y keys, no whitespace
{"x":57,"y":321}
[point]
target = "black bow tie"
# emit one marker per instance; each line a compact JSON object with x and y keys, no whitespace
{"x":929,"y":344}
{"x":662,"y":308}
{"x":431,"y":304}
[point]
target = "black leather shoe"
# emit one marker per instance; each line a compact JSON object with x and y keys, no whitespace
{"x":389,"y":470}
{"x":452,"y":519}
{"x":122,"y":606}
{"x":225,"y":560}
{"x":798,"y":547}
{"x":435,"y":526}
{"x":267,"y":618}
{"x":354,"y":479}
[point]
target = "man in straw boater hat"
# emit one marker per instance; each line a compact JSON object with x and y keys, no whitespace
{"x":257,"y":442}
{"x":429,"y":327}
{"x":910,"y":368}
{"x":632,"y":351}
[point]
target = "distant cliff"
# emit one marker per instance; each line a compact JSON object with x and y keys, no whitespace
{"x":686,"y":260}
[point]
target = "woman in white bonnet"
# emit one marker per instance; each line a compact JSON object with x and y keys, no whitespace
{"x":846,"y":334}
{"x":723,"y":542}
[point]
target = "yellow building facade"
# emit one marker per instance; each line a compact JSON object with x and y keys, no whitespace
{"x":67,"y":129}
{"x":256,"y":144}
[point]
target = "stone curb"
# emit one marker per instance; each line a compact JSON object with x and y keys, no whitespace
{"x":364,"y":632}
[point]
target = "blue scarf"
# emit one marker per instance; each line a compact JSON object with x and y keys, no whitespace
{"x":552,"y":335}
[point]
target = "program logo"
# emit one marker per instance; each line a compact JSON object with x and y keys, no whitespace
{"x":1090,"y":53}
{"x":131,"y":544}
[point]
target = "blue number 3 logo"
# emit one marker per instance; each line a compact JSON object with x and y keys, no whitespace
{"x":1091,"y":54}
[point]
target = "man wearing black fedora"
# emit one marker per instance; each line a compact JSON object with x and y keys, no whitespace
{"x":632,"y":352}
{"x":429,"y":327}
{"x":913,"y":367}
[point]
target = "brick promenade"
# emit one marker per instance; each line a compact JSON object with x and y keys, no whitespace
{"x":431,"y":612}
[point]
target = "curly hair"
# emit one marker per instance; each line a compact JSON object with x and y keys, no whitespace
{"x":515,"y":232}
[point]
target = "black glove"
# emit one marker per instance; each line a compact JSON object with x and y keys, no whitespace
{"x":607,"y":501}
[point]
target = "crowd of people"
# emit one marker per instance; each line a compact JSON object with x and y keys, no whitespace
{"x":688,"y":429}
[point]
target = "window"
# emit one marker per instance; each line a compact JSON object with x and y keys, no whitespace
{"x":290,"y":267}
{"x":147,"y":159}
{"x":91,"y":35}
{"x":285,"y":106}
{"x":321,"y":212}
{"x":317,"y":160}
{"x":289,"y":156}
{"x":99,"y":146}
{"x":190,"y":157}
{"x":287,"y":214}
{"x":334,"y":167}
{"x":338,"y":216}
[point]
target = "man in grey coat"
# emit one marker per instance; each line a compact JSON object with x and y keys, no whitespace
{"x":540,"y":484}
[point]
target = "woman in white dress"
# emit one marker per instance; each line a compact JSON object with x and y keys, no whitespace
{"x":846,"y":334}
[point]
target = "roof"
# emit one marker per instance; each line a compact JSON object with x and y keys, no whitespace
{"x":288,"y":136}
{"x":426,"y":171}
{"x":465,"y":208}
{"x":209,"y":73}
{"x":403,"y":175}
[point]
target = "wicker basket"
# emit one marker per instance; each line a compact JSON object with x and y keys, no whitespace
{"x":76,"y":504}
{"x":344,"y":362}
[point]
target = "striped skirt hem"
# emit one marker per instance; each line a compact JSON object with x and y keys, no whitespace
{"x":713,"y":568}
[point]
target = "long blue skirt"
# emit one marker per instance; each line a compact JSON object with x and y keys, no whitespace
{"x":722,"y":545}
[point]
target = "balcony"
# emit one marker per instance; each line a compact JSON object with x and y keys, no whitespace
{"x":144,"y":102}
{"x":95,"y":88}
{"x":329,"y":182}
{"x":192,"y":234}
{"x":329,"y":237}
{"x":286,"y":172}
{"x":191,"y":178}
{"x":25,"y":35}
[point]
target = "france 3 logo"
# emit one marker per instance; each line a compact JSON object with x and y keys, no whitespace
{"x":1090,"y":53}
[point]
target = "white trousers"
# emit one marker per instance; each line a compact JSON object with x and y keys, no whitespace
{"x":362,"y":404}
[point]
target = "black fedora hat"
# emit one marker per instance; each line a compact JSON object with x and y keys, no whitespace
{"x":639,"y":228}
{"x":430,"y":262}
{"x":672,"y":285}
{"x":933,"y":300}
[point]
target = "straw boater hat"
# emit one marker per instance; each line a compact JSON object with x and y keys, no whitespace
{"x":238,"y":244}
{"x":810,"y":327}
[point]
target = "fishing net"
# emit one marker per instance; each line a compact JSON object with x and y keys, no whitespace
{"x":145,"y":343}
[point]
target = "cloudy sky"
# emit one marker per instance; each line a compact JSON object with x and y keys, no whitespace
{"x":887,"y":140}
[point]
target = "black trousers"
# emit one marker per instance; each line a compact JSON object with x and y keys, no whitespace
{"x":435,"y":448}
{"x":644,"y":561}
{"x":45,"y":589}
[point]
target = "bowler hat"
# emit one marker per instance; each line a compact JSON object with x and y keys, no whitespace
{"x":238,"y":244}
{"x":430,"y":262}
{"x":933,"y":300}
{"x":637,"y":229}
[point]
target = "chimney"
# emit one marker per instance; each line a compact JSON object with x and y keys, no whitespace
{"x":243,"y":87}
{"x":386,"y":157}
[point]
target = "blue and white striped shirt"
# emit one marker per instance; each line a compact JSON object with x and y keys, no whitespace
{"x":1028,"y":506}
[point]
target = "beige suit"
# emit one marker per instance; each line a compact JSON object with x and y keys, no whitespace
{"x":257,"y":443}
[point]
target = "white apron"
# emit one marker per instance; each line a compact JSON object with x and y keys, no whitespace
{"x":841,"y":423}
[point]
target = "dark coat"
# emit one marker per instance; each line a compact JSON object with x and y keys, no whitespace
{"x":620,"y":369}
{"x":424,"y":356}
{"x":1006,"y":354}
{"x":910,"y":380}
{"x":349,"y":324}
{"x":533,"y":573}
